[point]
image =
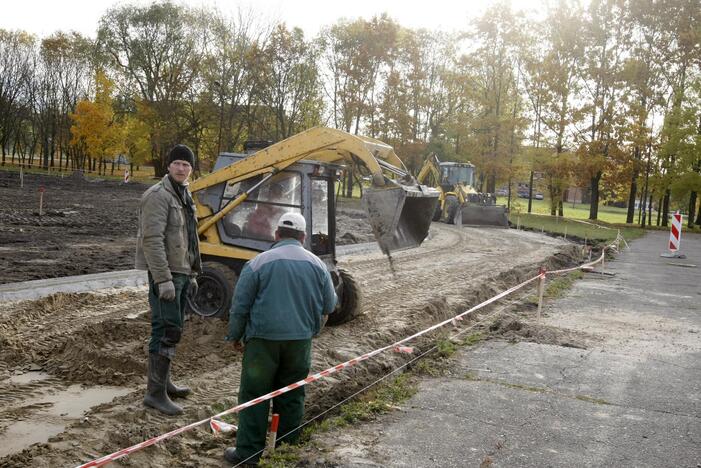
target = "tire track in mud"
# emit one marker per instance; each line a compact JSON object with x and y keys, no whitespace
{"x":454,"y":270}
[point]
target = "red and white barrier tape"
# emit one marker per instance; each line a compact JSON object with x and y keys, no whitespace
{"x":612,"y":246}
{"x":397,"y":345}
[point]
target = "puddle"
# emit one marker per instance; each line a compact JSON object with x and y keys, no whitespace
{"x":27,"y":377}
{"x":66,"y":405}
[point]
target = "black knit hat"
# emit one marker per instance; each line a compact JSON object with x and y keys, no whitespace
{"x":182,"y":153}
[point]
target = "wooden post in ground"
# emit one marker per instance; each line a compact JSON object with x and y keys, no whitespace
{"x":541,"y":289}
{"x":41,"y":200}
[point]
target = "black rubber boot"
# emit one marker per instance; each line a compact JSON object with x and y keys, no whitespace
{"x":156,"y":395}
{"x":176,"y":391}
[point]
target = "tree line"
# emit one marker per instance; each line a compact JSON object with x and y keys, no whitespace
{"x":604,"y":97}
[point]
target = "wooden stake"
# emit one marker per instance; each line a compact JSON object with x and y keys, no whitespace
{"x":272,"y":434}
{"x":41,"y":200}
{"x":541,"y":290}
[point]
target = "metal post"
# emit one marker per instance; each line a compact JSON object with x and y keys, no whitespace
{"x":541,"y":289}
{"x":21,"y":177}
{"x":565,"y":232}
{"x":518,"y":223}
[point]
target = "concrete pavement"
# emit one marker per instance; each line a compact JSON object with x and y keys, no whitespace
{"x":632,"y":398}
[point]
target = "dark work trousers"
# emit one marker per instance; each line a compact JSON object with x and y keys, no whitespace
{"x":167,"y":317}
{"x":268,"y":365}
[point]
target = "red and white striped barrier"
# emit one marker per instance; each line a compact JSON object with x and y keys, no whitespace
{"x":126,"y":176}
{"x":675,"y":237}
{"x":397,"y":346}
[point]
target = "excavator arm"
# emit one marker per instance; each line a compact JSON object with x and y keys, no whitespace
{"x":387,"y":199}
{"x":431,"y":167}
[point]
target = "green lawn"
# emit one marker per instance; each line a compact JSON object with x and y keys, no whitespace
{"x":608,"y":214}
{"x":570,"y":227}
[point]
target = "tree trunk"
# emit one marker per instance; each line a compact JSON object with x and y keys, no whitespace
{"x":560,"y":208}
{"x":665,"y":208}
{"x":698,"y":216}
{"x":692,"y":208}
{"x":659,"y":211}
{"x":349,"y":184}
{"x":649,"y":211}
{"x":630,"y":216}
{"x":594,"y":206}
{"x":530,"y":192}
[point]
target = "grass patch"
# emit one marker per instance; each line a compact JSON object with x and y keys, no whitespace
{"x":473,"y":377}
{"x":588,"y":399}
{"x":445,"y":348}
{"x":283,"y":456}
{"x":598,"y":232}
{"x":528,"y":388}
{"x":558,"y":285}
{"x":380,"y":400}
{"x":473,"y":339}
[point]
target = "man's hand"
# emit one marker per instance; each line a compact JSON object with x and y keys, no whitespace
{"x":239,"y":346}
{"x":166,"y":291}
{"x":192,"y":287}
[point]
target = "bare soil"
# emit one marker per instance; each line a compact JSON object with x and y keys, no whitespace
{"x":99,"y":339}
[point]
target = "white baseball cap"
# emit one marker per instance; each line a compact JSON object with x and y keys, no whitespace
{"x":294,"y":221}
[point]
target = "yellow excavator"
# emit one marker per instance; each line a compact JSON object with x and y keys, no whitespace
{"x":239,"y":203}
{"x":459,"y":202}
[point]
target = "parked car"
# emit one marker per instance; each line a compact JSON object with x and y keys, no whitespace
{"x":502,"y":192}
{"x":538,"y":196}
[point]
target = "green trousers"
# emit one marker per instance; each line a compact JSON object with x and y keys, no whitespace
{"x":269,"y":365}
{"x":167,"y":317}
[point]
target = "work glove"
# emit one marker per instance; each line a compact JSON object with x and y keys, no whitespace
{"x":192,"y":287}
{"x":166,"y":291}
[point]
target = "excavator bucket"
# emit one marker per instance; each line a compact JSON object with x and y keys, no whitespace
{"x":400,"y":216}
{"x":473,"y":214}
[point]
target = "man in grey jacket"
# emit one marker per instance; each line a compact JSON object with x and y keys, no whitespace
{"x":168,"y":247}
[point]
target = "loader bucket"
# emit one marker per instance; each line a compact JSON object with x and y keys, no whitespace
{"x":473,"y":214}
{"x":400,"y":216}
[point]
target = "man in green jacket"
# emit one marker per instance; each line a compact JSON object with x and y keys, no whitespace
{"x":283,"y":298}
{"x":168,"y":247}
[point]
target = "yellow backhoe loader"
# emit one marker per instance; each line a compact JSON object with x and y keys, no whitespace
{"x":459,"y":202}
{"x":240,"y":201}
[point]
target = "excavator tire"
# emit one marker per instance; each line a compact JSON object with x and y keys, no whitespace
{"x":348,"y":300}
{"x":216,"y":288}
{"x":452,"y":205}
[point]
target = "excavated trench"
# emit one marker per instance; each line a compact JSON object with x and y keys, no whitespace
{"x":95,"y":343}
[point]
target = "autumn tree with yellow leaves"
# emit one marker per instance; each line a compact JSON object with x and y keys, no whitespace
{"x":95,"y":130}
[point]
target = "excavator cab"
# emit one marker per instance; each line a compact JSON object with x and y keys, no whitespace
{"x":307,"y":188}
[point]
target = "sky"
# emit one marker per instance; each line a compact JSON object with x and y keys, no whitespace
{"x":43,"y":17}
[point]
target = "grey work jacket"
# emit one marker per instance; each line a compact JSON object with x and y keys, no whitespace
{"x":162,"y":241}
